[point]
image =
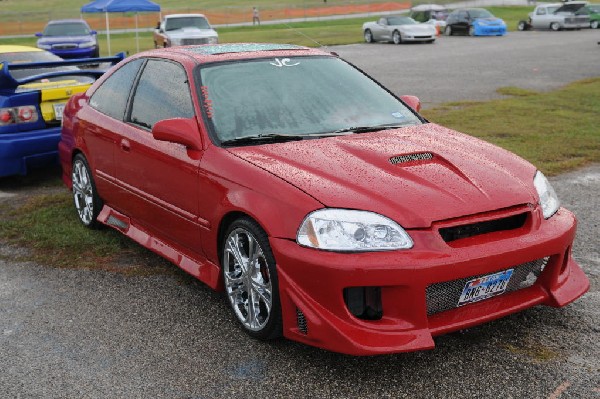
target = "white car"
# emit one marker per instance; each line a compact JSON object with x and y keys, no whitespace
{"x":433,"y":14}
{"x":557,"y":16}
{"x":183,"y":30}
{"x":398,"y":29}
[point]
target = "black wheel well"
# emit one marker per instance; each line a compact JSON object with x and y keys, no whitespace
{"x":224,"y":224}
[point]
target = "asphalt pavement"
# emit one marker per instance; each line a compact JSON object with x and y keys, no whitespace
{"x":71,"y":333}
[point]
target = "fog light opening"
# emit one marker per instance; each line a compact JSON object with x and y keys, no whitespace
{"x":565,"y":261}
{"x":364,"y":302}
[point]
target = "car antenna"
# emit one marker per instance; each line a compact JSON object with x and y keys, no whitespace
{"x":305,"y":35}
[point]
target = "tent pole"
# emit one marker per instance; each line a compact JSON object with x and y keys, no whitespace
{"x":108,"y":33}
{"x":137,"y":39}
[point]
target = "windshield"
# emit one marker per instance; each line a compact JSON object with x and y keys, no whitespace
{"x":594,"y":9}
{"x":401,"y":21}
{"x":480,"y":13}
{"x":439,"y":15}
{"x":66,"y":29}
{"x":26,"y":57}
{"x":186,"y":22}
{"x":295,"y":96}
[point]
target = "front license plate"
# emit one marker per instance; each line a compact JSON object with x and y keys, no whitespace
{"x":58,"y":110}
{"x":485,"y":287}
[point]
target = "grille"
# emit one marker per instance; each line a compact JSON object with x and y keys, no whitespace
{"x":444,"y":296}
{"x":301,"y":320}
{"x":422,"y":156}
{"x":64,"y":46}
{"x":469,"y":230}
{"x":186,"y":42}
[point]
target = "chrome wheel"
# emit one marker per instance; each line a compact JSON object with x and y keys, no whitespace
{"x":396,"y":37}
{"x":368,"y":36}
{"x":555,"y":26}
{"x":471,"y":30}
{"x":594,"y":24}
{"x":87,"y":203}
{"x":521,"y":26}
{"x":250,"y":279}
{"x":448,"y":31}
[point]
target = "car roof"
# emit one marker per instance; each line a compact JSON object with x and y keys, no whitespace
{"x":8,"y":48}
{"x":184,"y":15}
{"x":428,"y":7}
{"x":209,"y":53}
{"x":66,"y":21}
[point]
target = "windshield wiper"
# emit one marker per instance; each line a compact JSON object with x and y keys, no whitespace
{"x":366,"y":129}
{"x":262,"y":138}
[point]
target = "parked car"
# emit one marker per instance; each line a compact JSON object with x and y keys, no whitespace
{"x":433,"y":14}
{"x":474,"y":22}
{"x":593,"y":10}
{"x":557,"y":16}
{"x":184,"y":29}
{"x":398,"y":29}
{"x":34,"y":87}
{"x":69,"y":38}
{"x":325,"y":207}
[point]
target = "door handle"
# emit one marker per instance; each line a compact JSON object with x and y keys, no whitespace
{"x":125,"y":145}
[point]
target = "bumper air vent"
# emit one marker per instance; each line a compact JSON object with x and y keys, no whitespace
{"x":301,"y":320}
{"x":421,"y":156}
{"x":364,"y":302}
{"x":470,"y":230}
{"x":445,"y":296}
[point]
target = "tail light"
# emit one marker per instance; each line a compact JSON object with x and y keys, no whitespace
{"x":24,"y":114}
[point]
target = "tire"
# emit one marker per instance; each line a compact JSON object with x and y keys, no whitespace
{"x":594,"y":24}
{"x":96,"y":52}
{"x":555,"y":26}
{"x":430,"y":41}
{"x":448,"y":31}
{"x":522,"y":26}
{"x":368,"y":36}
{"x":471,"y":30}
{"x":396,"y":37}
{"x":86,"y":200}
{"x":155,"y":45}
{"x":244,"y":239}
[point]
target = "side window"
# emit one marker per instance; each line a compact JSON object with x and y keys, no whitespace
{"x":541,"y":11}
{"x":111,"y":97}
{"x":162,"y":93}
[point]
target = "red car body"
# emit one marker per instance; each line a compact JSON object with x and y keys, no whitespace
{"x":178,"y":200}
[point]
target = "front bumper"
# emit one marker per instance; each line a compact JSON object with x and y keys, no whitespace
{"x":419,"y":38}
{"x":311,"y":284}
{"x":75,"y":52}
{"x":490,"y":30}
{"x":24,"y":150}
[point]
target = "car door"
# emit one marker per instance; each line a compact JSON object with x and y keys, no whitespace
{"x":380,"y":30}
{"x":101,"y":122}
{"x":540,"y":18}
{"x":464,"y":22}
{"x":160,"y":178}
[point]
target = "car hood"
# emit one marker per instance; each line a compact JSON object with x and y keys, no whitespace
{"x":570,"y":7}
{"x":65,"y":39}
{"x":465,"y":176}
{"x":493,"y":20}
{"x":186,"y":33}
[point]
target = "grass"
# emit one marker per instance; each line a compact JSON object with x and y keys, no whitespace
{"x":557,"y":131}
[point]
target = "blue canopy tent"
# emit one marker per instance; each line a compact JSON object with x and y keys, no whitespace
{"x":107,"y":6}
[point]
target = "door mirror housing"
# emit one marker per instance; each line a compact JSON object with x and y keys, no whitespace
{"x":412,"y":101}
{"x":184,"y":131}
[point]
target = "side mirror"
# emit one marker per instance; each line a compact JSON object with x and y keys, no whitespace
{"x":38,"y":34}
{"x":183,"y":131}
{"x":412,"y":101}
{"x":93,"y":32}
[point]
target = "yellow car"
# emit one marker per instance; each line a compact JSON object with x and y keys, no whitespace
{"x":34,"y":87}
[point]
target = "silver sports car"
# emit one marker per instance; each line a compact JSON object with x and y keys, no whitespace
{"x":398,"y":30}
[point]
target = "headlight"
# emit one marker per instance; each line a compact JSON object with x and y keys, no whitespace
{"x":548,"y":198}
{"x":213,"y":40}
{"x":87,"y":44}
{"x":44,"y":46}
{"x":175,"y":42}
{"x":351,"y":230}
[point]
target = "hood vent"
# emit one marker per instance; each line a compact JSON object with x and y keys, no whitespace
{"x":420,"y":156}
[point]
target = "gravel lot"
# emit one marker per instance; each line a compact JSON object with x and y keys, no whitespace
{"x":80,"y":333}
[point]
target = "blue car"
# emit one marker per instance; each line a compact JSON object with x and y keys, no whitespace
{"x":69,"y":38}
{"x":34,"y":88}
{"x":474,"y":22}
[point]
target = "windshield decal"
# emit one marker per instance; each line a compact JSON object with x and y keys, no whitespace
{"x":207,"y":102}
{"x":398,"y":115}
{"x":284,"y":62}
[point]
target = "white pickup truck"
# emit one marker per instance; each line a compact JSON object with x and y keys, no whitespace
{"x":184,"y":29}
{"x":557,"y":16}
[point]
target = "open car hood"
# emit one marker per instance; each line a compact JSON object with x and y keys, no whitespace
{"x":415,"y":175}
{"x":570,"y":7}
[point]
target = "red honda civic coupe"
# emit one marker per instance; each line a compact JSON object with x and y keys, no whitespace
{"x":327,"y":209}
